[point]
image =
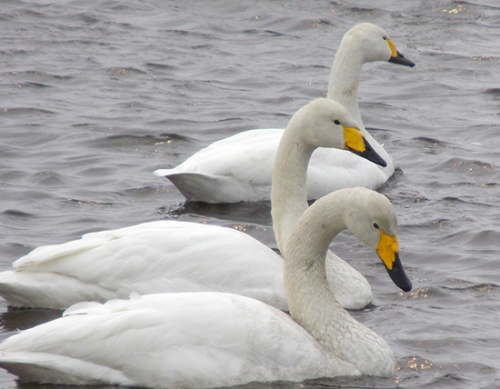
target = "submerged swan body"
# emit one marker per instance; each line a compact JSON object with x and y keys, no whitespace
{"x":239,"y":168}
{"x":172,"y":256}
{"x":205,"y":340}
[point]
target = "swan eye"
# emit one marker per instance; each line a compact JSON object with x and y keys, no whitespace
{"x":337,"y":122}
{"x":375,"y":225}
{"x":384,"y":38}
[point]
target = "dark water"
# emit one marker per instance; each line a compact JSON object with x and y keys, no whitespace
{"x":96,"y":95}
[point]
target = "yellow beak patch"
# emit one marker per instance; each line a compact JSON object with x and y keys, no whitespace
{"x":392,"y":46}
{"x":387,"y":249}
{"x":353,"y":139}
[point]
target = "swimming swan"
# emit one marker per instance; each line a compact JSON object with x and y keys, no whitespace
{"x":239,"y":168}
{"x":311,"y":127}
{"x":207,"y":340}
{"x":174,"y":256}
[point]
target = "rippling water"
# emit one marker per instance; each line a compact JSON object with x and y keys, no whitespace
{"x":96,"y":95}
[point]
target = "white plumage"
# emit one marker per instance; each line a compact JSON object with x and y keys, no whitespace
{"x":171,"y":256}
{"x":239,"y":168}
{"x":204,"y":340}
{"x":162,"y":256}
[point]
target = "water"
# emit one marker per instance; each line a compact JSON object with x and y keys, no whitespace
{"x":96,"y":95}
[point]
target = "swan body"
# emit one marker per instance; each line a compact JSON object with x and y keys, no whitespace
{"x":173,"y":256}
{"x":239,"y":168}
{"x":161,"y":256}
{"x":205,"y":340}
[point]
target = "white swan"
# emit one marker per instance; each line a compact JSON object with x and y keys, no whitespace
{"x":239,"y":168}
{"x":206,"y":340}
{"x":311,"y":127}
{"x":172,"y":256}
{"x":156,"y":257}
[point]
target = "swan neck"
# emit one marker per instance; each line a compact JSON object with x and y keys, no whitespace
{"x":344,"y":78}
{"x":343,"y":88}
{"x":311,"y":302}
{"x":289,"y":185}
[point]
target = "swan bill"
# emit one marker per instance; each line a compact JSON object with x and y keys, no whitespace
{"x":388,"y":251}
{"x":356,"y":143}
{"x":398,"y":275}
{"x":401,"y":60}
{"x":397,"y":57}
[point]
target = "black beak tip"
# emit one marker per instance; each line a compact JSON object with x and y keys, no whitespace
{"x":407,"y":287}
{"x":381,"y":162}
{"x":401,"y":60}
{"x":372,"y":156}
{"x":399,"y":277}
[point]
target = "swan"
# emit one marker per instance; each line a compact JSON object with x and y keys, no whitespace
{"x":239,"y":168}
{"x":289,"y":190}
{"x":206,"y":340}
{"x":176,"y":256}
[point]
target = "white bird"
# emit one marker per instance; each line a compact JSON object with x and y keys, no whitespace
{"x":157,"y":257}
{"x":206,"y":340}
{"x":172,"y":256}
{"x":311,"y":127}
{"x":239,"y":168}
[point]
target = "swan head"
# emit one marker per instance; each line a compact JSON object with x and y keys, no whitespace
{"x":375,"y":44}
{"x":373,"y":221}
{"x":326,"y":123}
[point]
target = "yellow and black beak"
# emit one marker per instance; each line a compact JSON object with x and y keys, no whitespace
{"x":397,"y":57}
{"x":388,"y":251}
{"x":356,"y":143}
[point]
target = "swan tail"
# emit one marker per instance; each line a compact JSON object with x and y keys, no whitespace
{"x":209,"y":188}
{"x":56,"y":369}
{"x":47,"y":290}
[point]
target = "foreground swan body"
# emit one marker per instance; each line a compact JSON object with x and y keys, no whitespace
{"x":171,"y":256}
{"x":239,"y":168}
{"x":205,"y":340}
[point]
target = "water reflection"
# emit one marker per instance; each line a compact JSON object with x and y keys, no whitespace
{"x":22,"y":319}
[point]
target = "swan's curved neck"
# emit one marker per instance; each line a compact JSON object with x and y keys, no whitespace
{"x":311,"y":302}
{"x":289,"y":189}
{"x":343,"y":88}
{"x":344,"y":78}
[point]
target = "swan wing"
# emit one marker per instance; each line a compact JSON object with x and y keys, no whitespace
{"x":170,"y":340}
{"x":332,"y":169}
{"x":237,"y":168}
{"x":164,"y":256}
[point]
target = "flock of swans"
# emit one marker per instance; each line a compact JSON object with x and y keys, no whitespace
{"x":178,"y":304}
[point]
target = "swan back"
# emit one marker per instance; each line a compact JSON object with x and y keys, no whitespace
{"x":205,"y":340}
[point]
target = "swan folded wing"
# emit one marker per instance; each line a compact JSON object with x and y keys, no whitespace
{"x":333,"y":169}
{"x":190,"y":340}
{"x":237,"y":168}
{"x":48,"y":253}
{"x":148,"y":258}
{"x":88,"y":241}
